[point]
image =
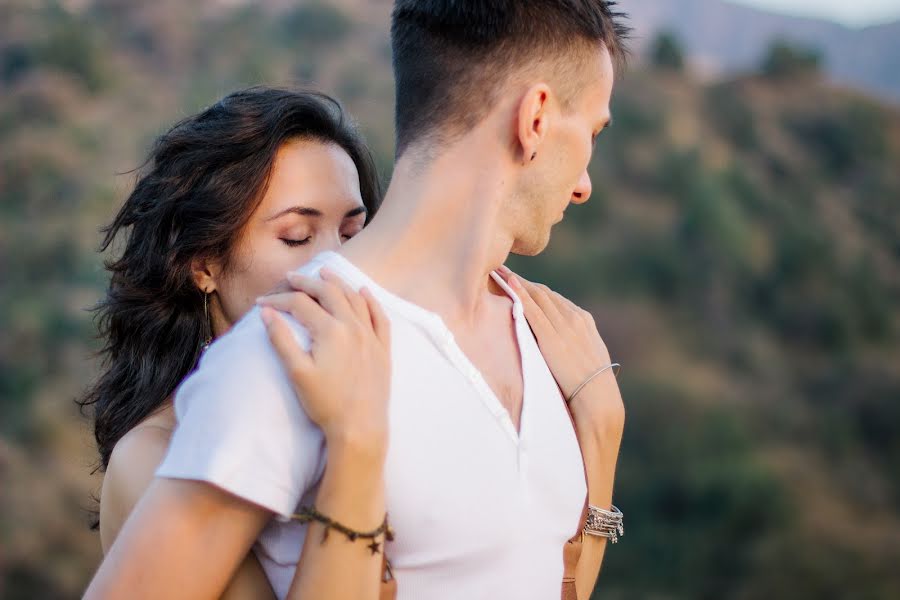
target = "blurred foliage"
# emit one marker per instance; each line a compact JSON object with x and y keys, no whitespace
{"x":315,"y":23}
{"x":740,"y":252}
{"x":666,"y":52}
{"x":784,"y":59}
{"x":733,"y":118}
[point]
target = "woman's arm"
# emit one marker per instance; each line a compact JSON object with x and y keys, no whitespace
{"x":130,"y":471}
{"x":343,"y":384}
{"x":573,"y":349}
{"x":600,"y":437}
{"x":184,"y":540}
{"x":249,"y":583}
{"x":352,"y":493}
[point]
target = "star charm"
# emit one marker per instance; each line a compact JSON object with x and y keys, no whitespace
{"x":374,"y":547}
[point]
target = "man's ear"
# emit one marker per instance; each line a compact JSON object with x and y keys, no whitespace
{"x":532,"y":120}
{"x":206,"y":274}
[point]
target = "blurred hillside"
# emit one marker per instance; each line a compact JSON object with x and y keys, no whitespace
{"x":724,"y":37}
{"x":741,"y":253}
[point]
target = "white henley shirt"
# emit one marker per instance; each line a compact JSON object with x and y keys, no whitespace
{"x":479,"y":510}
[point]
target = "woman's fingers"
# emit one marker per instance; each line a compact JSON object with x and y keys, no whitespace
{"x":542,"y":296}
{"x":296,"y":361}
{"x":302,"y":307}
{"x":329,"y":295}
{"x":585,"y":316}
{"x":355,"y":301}
{"x":533,"y":312}
{"x":334,"y":296}
{"x":380,"y":323}
{"x":557,"y":309}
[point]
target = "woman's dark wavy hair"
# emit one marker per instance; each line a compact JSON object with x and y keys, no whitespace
{"x":195,"y":192}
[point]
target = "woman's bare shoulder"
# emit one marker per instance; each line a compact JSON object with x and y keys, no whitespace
{"x":132,"y":466}
{"x":139,"y":450}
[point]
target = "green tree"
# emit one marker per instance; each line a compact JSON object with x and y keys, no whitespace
{"x":667,"y":52}
{"x":784,"y":59}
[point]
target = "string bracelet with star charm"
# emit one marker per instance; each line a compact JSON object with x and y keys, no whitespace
{"x":309,"y":513}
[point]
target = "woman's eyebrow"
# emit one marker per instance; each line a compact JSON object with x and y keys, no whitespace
{"x":303,"y":211}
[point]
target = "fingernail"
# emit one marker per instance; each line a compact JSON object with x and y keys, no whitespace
{"x":266,"y":315}
{"x":260,"y":299}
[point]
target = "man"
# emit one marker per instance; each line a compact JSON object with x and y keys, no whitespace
{"x":498,"y":106}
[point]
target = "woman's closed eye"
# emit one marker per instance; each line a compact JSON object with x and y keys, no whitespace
{"x":293,"y":243}
{"x":302,"y":242}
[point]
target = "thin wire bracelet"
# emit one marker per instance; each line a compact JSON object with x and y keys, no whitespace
{"x":588,"y":380}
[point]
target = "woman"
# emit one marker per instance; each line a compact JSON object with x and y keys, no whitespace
{"x":232,"y":198}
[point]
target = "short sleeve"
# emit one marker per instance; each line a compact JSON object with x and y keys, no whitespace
{"x":241,"y":426}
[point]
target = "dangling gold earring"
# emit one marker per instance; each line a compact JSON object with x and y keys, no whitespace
{"x":208,"y":322}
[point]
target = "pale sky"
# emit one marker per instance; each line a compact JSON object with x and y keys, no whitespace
{"x":855,"y":13}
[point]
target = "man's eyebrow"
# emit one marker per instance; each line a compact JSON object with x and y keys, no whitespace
{"x":303,"y":211}
{"x":359,"y":210}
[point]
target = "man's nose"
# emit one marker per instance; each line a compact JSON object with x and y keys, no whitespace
{"x":583,"y":189}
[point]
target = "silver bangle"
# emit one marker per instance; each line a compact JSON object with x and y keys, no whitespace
{"x":588,"y":380}
{"x":605,"y":523}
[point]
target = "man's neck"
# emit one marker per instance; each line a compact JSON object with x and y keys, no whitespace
{"x":437,"y":236}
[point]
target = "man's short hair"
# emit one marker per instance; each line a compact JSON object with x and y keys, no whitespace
{"x":451,"y":57}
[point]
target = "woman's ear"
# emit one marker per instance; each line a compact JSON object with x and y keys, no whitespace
{"x":205,"y":274}
{"x":532,"y":120}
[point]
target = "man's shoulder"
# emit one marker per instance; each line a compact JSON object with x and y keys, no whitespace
{"x":240,"y":365}
{"x":248,"y":341}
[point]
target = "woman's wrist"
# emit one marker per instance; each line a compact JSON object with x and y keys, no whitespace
{"x":352,"y":487}
{"x":358,"y":444}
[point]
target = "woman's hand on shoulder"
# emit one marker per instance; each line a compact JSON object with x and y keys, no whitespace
{"x":343,"y":381}
{"x":573,"y":348}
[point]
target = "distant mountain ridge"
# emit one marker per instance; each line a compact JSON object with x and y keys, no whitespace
{"x":722,"y":37}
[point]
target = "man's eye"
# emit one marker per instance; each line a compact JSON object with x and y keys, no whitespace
{"x":293,"y":243}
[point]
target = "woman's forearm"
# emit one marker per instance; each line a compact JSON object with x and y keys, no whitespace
{"x":599,"y":421}
{"x":600,"y":462}
{"x":352,"y":493}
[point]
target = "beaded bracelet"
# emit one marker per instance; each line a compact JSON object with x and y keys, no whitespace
{"x":309,"y":513}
